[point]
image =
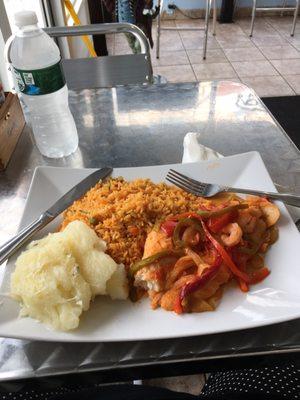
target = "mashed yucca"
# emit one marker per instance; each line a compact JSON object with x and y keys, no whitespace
{"x":57,"y":277}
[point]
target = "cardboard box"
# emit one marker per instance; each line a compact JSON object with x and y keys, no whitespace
{"x":12,"y":123}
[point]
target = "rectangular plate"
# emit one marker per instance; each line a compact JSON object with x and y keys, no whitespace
{"x":276,"y":299}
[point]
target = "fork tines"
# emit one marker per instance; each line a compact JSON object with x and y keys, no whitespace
{"x":184,"y":182}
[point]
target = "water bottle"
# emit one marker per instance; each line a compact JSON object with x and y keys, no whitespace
{"x":37,"y":67}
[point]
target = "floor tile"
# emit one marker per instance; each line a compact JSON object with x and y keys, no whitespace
{"x":259,"y":68}
{"x":170,"y":41}
{"x":169,"y":58}
{"x":294,"y":40}
{"x":296,"y":36}
{"x":285,"y":51}
{"x":261,"y":27}
{"x":279,"y":19}
{"x":225,"y":29}
{"x":267,"y":86}
{"x":166,"y":23}
{"x":243,"y":54}
{"x":294,"y":82}
{"x":287,"y":67}
{"x":237,"y":42}
{"x":214,"y":71}
{"x":212,"y":56}
{"x":180,"y":73}
{"x":195,"y":40}
{"x":236,"y":34}
{"x":265,"y":41}
{"x":192,"y":23}
{"x":283,"y":25}
{"x":285,"y":30}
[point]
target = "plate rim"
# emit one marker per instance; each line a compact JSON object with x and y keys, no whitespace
{"x":71,"y":338}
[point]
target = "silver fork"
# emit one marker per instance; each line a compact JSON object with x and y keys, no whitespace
{"x":210,"y":189}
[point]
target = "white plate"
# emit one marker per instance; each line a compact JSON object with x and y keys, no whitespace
{"x":274,"y":300}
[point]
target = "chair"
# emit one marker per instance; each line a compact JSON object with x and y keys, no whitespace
{"x":107,"y":71}
{"x":281,"y":9}
{"x":209,"y":4}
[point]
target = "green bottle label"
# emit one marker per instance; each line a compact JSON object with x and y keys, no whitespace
{"x":40,"y":81}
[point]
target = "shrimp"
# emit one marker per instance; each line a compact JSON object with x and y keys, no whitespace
{"x":260,"y":229}
{"x":255,"y":211}
{"x":246,"y":221}
{"x":270,"y":212}
{"x":231,"y":234}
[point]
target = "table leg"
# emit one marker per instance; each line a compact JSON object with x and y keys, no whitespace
{"x":208,"y":3}
{"x":214,"y":17}
{"x":160,"y":5}
{"x":253,"y":17}
{"x":295,"y":18}
{"x":283,"y":6}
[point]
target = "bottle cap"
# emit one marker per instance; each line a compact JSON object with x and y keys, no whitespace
{"x":23,"y":18}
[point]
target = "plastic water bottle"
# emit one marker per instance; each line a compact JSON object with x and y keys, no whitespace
{"x":37,"y":67}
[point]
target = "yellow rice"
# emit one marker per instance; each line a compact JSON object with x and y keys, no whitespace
{"x":123,"y":213}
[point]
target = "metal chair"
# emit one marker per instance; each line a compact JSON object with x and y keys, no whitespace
{"x":210,"y":4}
{"x":108,"y":71}
{"x":281,"y":9}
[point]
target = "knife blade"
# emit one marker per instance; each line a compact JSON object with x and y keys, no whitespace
{"x":10,"y":247}
{"x":78,"y":191}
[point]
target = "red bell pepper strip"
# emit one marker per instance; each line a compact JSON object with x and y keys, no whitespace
{"x":199,"y":282}
{"x":168,"y":227}
{"x":188,"y":214}
{"x":195,"y":285}
{"x":259,"y":275}
{"x":226,"y":258}
{"x":243,"y":286}
{"x":178,"y":306}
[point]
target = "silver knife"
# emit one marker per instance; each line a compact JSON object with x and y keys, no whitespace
{"x":10,"y":247}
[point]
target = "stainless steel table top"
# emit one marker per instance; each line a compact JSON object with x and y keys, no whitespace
{"x":135,"y":126}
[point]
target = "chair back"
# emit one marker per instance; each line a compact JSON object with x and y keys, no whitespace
{"x":106,"y":71}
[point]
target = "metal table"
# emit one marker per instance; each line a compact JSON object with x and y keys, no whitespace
{"x":133,"y":126}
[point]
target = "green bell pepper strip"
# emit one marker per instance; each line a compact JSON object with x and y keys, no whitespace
{"x":203,"y":214}
{"x":134,"y":268}
{"x":218,"y":213}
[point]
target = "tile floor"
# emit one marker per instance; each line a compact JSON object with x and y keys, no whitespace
{"x":269,"y":62}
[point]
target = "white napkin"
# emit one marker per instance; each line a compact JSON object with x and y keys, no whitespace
{"x":193,"y":151}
